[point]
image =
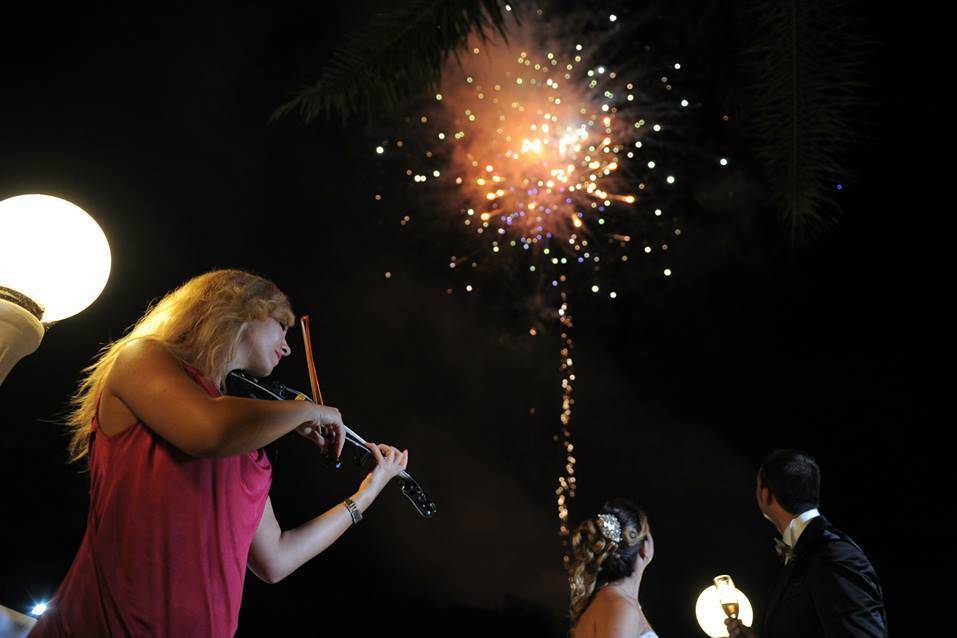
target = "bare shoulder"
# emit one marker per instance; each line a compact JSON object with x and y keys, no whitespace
{"x":615,"y":615}
{"x":155,"y":388}
{"x":142,"y":353}
{"x":136,"y":362}
{"x":146,"y":374}
{"x":612,"y":602}
{"x":144,"y":361}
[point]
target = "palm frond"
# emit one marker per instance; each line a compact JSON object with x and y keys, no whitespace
{"x":811,"y":79}
{"x":399,"y":53}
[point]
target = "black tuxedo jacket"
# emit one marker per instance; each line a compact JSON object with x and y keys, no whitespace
{"x":828,"y":588}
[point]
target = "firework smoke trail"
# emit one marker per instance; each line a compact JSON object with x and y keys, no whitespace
{"x":549,"y":155}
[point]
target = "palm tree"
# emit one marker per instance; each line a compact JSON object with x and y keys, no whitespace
{"x":808,"y":60}
{"x":398,"y":53}
{"x":810,"y":68}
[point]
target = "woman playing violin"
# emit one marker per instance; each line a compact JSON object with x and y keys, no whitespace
{"x":179,"y":481}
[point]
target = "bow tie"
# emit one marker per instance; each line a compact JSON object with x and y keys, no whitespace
{"x":785,"y":551}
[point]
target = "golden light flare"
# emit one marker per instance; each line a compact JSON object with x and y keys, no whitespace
{"x":540,"y":140}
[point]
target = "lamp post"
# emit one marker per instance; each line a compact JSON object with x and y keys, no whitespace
{"x":54,"y":262}
{"x":714,"y":605}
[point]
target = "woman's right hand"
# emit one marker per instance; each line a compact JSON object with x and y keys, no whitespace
{"x":389,"y":462}
{"x":325,"y":430}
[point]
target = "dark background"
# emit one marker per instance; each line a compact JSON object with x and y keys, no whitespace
{"x":156,"y":123}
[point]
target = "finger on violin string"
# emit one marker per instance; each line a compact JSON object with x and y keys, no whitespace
{"x":376,"y":452}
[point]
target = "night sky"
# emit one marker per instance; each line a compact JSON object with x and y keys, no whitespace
{"x":157,"y":124}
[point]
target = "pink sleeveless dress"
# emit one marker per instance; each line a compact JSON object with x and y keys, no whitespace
{"x":166,"y":542}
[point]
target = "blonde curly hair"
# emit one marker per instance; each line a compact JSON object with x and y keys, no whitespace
{"x":604,"y":551}
{"x":199,"y":322}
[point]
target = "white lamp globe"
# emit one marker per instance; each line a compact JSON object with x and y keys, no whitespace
{"x":711,"y":616}
{"x":52,"y":252}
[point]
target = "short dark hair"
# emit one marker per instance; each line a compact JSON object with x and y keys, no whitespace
{"x":793,"y":478}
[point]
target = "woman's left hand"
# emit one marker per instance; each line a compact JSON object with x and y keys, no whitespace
{"x":389,"y":462}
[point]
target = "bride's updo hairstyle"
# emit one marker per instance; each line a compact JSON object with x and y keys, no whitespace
{"x":604,"y":549}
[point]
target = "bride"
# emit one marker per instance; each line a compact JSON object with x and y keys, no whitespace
{"x":610,"y":554}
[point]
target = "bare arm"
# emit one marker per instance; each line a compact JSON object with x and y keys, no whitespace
{"x":156,"y":389}
{"x":274,"y":554}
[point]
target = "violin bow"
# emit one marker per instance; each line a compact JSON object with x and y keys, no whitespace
{"x":314,"y":378}
{"x":310,"y":362}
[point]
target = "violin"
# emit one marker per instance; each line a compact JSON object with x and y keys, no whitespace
{"x":238,"y":383}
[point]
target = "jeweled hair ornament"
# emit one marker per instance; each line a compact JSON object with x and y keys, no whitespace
{"x":610,"y":527}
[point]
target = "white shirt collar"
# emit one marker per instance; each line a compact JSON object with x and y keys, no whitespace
{"x":797,"y":525}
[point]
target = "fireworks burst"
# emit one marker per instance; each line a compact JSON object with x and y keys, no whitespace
{"x":551,"y":155}
{"x":547,"y":151}
{"x":535,"y":156}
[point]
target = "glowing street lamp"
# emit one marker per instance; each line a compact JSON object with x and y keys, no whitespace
{"x":54,"y":262}
{"x":719,"y":602}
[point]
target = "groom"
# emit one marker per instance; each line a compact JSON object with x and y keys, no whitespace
{"x":828,"y":586}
